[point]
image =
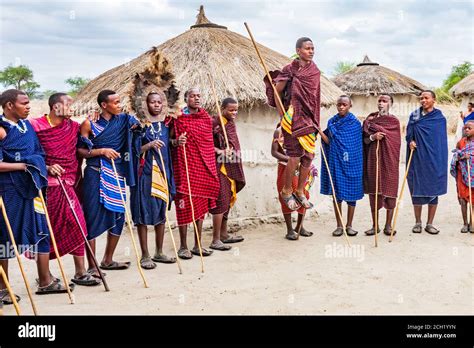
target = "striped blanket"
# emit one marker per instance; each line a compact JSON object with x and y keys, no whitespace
{"x":110,"y":193}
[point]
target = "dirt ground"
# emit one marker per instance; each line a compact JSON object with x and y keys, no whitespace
{"x":266,"y":274}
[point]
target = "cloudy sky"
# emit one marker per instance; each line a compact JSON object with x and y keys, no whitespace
{"x":60,"y":39}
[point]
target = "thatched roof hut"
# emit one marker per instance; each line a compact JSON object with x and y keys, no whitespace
{"x":365,"y":82}
{"x":464,"y":88}
{"x":231,"y":60}
{"x":205,"y":48}
{"x":370,"y":78}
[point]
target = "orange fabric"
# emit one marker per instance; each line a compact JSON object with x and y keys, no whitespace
{"x":463,"y":190}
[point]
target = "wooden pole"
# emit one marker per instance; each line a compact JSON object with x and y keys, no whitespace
{"x":55,"y":247}
{"x":86,"y":242}
{"x":17,"y":254}
{"x":468,"y":161}
{"x":129,"y":223}
{"x":400,"y":196}
{"x":166,"y":214}
{"x":10,"y":291}
{"x":211,"y":81}
{"x":376,"y":211}
{"x":280,"y":103}
{"x":198,"y":237}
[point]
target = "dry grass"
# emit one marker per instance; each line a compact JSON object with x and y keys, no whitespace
{"x":463,"y":87}
{"x":369,"y":78}
{"x":229,"y":57}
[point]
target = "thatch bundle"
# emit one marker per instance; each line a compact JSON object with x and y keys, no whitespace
{"x":205,"y":48}
{"x":465,"y":87}
{"x":369,"y":78}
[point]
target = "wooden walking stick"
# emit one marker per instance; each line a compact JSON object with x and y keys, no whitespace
{"x":86,"y":242}
{"x":468,"y":161}
{"x":198,"y":237}
{"x":17,"y":254}
{"x":211,"y":81}
{"x":10,"y":291}
{"x":166,"y":214}
{"x":400,"y":196}
{"x":376,"y":210}
{"x":129,"y":223}
{"x":280,"y":103}
{"x":55,"y":247}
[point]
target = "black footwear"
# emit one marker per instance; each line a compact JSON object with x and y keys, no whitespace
{"x":417,"y":228}
{"x":338,"y":232}
{"x":351,"y":232}
{"x":371,"y":232}
{"x":431,"y":229}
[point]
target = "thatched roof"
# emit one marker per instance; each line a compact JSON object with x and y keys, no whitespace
{"x":370,"y":78}
{"x":205,"y":48}
{"x":463,"y":87}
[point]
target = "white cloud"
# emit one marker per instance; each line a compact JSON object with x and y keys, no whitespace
{"x":421,"y":39}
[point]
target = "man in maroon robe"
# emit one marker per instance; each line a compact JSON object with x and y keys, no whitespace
{"x":230,"y":171}
{"x":384,"y":128}
{"x":299,"y":86}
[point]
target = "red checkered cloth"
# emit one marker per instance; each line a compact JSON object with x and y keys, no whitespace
{"x":59,"y":144}
{"x":304,"y":93}
{"x":201,"y":164}
{"x":389,"y":154}
{"x":183,"y":208}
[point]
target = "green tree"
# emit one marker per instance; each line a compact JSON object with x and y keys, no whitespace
{"x":76,"y":83}
{"x":19,"y":77}
{"x":48,"y":93}
{"x":458,"y":72}
{"x":342,"y":67}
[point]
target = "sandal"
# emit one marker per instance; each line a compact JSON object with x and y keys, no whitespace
{"x":303,"y":201}
{"x":147,"y":263}
{"x":86,"y":280}
{"x":162,"y":258}
{"x":290,"y":201}
{"x":220,"y":246}
{"x":95,"y":273}
{"x":184,"y":254}
{"x":338,"y":232}
{"x":53,"y":288}
{"x":233,"y":239}
{"x":388,"y":231}
{"x":291,"y":235}
{"x":371,"y":232}
{"x":417,"y":228}
{"x":351,"y":232}
{"x":6,"y":299}
{"x":305,"y":233}
{"x":205,"y":252}
{"x":431,"y":229}
{"x":55,"y":279}
{"x":115,"y":265}
{"x":465,"y":229}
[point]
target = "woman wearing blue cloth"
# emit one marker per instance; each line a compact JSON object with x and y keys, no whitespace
{"x":152,"y":194}
{"x":111,"y":137}
{"x":428,"y":172}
